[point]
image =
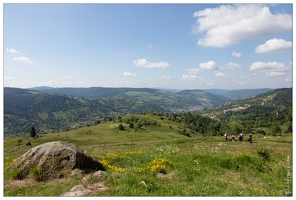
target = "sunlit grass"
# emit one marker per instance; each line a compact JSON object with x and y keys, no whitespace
{"x":200,"y":172}
{"x":160,"y":162}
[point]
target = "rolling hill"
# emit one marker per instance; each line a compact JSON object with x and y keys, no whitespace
{"x":271,"y":111}
{"x":175,"y":102}
{"x":136,"y":93}
{"x":51,"y":110}
{"x":239,"y":94}
{"x":25,"y":108}
{"x":70,"y":108}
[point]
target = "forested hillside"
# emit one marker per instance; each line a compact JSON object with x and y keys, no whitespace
{"x":200,"y":111}
{"x":269,"y":111}
{"x":239,"y":94}
{"x":136,"y":93}
{"x":171,"y":101}
{"x":51,"y":112}
{"x":47,"y":112}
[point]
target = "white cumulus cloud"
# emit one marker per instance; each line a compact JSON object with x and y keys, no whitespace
{"x":220,"y":74}
{"x":236,"y":54}
{"x":233,"y":65}
{"x":189,"y":77}
{"x":270,"y":68}
{"x":274,"y":45}
{"x":275,"y":73}
{"x":147,"y":64}
{"x":230,"y":24}
{"x":12,"y":50}
{"x":129,"y":74}
{"x":275,"y":66}
{"x":211,"y":65}
{"x":193,"y":70}
{"x":23,"y":59}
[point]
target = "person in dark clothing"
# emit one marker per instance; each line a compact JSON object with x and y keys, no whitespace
{"x":250,"y":138}
{"x":240,"y":137}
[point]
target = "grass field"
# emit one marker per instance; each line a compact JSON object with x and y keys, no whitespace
{"x":157,"y":161}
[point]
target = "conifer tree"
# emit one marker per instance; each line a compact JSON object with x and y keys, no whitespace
{"x":32,"y":132}
{"x":120,"y":127}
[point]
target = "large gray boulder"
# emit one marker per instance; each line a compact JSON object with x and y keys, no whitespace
{"x":52,"y":159}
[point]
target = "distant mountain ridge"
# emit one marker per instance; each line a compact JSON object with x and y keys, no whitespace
{"x":171,"y":101}
{"x":24,"y":108}
{"x":63,"y":108}
{"x":103,"y":92}
{"x":239,"y":94}
{"x":273,"y":101}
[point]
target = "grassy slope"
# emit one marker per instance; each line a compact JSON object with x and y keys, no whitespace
{"x":196,"y":166}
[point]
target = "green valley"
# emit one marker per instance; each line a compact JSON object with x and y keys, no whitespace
{"x":51,"y":110}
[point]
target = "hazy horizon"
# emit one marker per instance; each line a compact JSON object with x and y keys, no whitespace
{"x":156,"y":88}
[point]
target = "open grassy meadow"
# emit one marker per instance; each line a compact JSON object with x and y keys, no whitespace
{"x":155,"y":160}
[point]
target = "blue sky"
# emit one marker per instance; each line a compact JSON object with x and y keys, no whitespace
{"x":176,"y":46}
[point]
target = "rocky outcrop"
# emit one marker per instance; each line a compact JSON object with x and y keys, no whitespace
{"x":81,"y":190}
{"x":53,"y":158}
{"x":84,"y":189}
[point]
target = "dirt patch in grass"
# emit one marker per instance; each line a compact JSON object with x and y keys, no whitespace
{"x":31,"y":181}
{"x":22,"y":183}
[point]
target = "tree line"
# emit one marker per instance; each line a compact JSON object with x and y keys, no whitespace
{"x":237,"y":122}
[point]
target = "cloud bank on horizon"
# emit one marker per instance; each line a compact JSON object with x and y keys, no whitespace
{"x":196,"y":46}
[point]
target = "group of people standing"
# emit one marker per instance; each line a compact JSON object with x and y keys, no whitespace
{"x":240,"y":137}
